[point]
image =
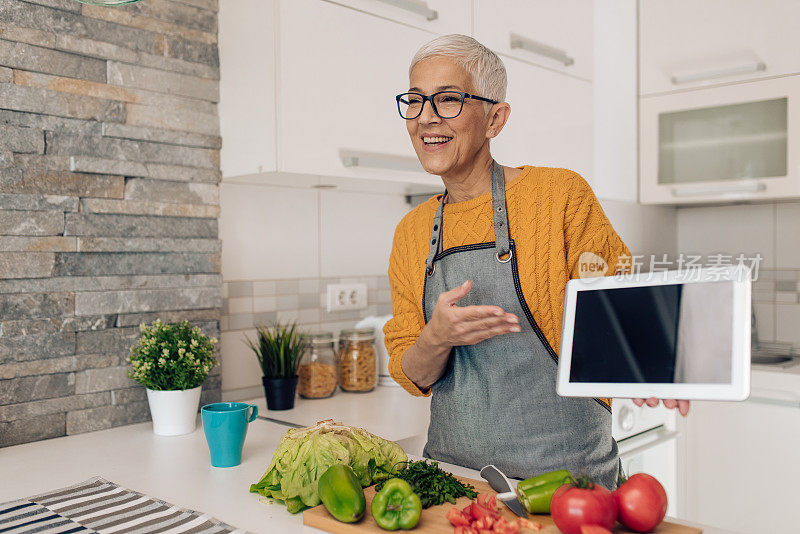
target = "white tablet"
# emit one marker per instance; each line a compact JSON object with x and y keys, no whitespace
{"x":670,"y":335}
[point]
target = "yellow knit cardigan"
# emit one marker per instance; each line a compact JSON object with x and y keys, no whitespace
{"x":553,"y":216}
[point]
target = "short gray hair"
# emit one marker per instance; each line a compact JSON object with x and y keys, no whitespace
{"x":486,"y":69}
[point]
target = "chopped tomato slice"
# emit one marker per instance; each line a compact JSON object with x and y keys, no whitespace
{"x":488,"y":501}
{"x":467,"y":510}
{"x":504,"y":527}
{"x":457,"y":518}
{"x":464,"y":530}
{"x":484,"y":523}
{"x":479,"y":512}
{"x":530,"y":525}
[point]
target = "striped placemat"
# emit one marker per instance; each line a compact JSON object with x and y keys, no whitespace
{"x":98,"y":505}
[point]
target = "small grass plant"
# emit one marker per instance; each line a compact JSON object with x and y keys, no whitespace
{"x":279,"y":349}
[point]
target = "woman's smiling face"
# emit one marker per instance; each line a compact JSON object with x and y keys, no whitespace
{"x":468,"y":132}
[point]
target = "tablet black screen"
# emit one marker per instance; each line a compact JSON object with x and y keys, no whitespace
{"x":677,"y":333}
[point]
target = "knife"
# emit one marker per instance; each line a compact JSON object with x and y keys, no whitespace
{"x":505,"y":492}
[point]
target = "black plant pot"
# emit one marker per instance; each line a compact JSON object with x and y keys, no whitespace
{"x":279,"y":392}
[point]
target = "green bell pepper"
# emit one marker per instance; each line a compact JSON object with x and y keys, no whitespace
{"x":341,"y":493}
{"x":396,"y":506}
{"x":536,"y":493}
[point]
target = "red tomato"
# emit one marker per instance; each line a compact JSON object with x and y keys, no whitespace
{"x":641,"y":502}
{"x":583,"y":503}
{"x":594,"y":529}
{"x":464,"y":530}
{"x":457,"y":518}
{"x":488,"y":501}
{"x":467,"y":511}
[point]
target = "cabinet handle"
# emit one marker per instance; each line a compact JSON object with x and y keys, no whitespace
{"x":414,"y":6}
{"x":518,"y":41}
{"x":664,"y":437}
{"x":718,"y":73}
{"x":750,"y":187}
{"x":353,"y":158}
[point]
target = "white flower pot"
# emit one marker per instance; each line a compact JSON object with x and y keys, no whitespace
{"x":174,"y":412}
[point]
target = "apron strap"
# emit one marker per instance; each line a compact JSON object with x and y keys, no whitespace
{"x":436,"y":238}
{"x":502,"y":236}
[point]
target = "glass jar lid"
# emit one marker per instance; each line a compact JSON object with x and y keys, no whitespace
{"x":319,"y":338}
{"x":357,"y":334}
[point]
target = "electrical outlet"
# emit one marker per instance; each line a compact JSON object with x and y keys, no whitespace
{"x":347,"y":297}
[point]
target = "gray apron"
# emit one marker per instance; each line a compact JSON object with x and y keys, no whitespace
{"x":496,"y":402}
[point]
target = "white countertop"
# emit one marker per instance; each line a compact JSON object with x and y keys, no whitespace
{"x":175,"y":469}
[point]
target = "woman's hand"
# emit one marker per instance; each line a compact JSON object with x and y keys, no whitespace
{"x":452,"y":325}
{"x":682,"y":405}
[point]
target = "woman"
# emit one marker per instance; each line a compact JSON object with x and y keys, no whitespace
{"x":478,"y":276}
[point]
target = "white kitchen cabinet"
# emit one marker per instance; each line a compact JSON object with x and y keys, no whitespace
{"x":555,"y":34}
{"x":550,"y":123}
{"x":247,"y":32}
{"x":308,"y":90}
{"x":735,"y":142}
{"x":436,"y":16}
{"x":690,"y":43}
{"x":337,"y":89}
{"x":741,"y":463}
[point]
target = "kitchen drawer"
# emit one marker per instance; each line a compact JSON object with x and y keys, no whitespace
{"x":555,"y":34}
{"x":686,"y":43}
{"x":551,"y":120}
{"x":436,"y":16}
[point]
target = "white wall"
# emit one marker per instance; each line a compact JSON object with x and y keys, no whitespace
{"x":649,"y":231}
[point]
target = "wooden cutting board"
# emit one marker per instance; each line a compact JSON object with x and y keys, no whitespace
{"x":433,"y":520}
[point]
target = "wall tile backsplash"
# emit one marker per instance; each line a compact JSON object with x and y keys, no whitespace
{"x":247,"y":304}
{"x":768,"y":229}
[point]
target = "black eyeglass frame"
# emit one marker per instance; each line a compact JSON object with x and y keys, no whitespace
{"x":430,"y":98}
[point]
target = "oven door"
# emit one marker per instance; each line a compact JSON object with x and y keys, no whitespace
{"x":653,"y":452}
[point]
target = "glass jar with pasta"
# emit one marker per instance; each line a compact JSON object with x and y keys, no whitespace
{"x":317,"y":375}
{"x":357,"y":362}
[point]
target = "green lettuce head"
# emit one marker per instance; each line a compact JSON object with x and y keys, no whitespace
{"x":304,"y":454}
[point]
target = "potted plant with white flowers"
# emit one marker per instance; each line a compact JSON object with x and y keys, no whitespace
{"x":171,"y":360}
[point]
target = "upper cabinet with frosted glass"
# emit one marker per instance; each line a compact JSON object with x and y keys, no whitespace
{"x":719,"y":96}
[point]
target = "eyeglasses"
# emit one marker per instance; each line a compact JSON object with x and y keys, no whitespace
{"x":446,"y":104}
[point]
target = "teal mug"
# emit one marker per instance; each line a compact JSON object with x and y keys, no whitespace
{"x":225,"y":426}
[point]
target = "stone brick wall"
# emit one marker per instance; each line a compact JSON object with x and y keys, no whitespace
{"x":109,"y":172}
